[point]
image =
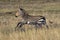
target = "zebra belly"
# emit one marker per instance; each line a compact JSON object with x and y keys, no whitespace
{"x":31,"y":22}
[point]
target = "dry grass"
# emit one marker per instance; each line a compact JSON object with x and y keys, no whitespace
{"x":41,"y":34}
{"x":51,"y":11}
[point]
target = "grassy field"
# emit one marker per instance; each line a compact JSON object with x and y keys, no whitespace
{"x":8,"y":22}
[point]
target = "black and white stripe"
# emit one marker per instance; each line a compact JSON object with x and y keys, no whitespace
{"x":38,"y":21}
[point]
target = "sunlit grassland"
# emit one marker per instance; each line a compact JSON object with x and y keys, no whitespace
{"x":41,"y":34}
{"x":8,"y":23}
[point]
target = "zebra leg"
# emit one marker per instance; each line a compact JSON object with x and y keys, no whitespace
{"x":46,"y":25}
{"x":38,"y":26}
{"x":19,"y":25}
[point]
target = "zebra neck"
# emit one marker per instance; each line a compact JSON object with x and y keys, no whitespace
{"x":25,"y":16}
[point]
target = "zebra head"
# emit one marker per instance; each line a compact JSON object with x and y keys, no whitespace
{"x":20,"y":12}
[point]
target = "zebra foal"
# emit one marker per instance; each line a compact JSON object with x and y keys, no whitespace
{"x":38,"y":21}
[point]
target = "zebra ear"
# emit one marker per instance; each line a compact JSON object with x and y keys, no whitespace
{"x":20,"y":8}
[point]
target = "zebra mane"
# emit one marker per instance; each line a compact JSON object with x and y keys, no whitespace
{"x":24,"y":14}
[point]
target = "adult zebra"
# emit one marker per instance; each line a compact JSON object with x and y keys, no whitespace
{"x":38,"y":21}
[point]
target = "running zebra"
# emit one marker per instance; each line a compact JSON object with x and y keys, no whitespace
{"x":38,"y":21}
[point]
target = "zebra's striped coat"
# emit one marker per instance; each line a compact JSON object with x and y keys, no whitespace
{"x":29,"y":19}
